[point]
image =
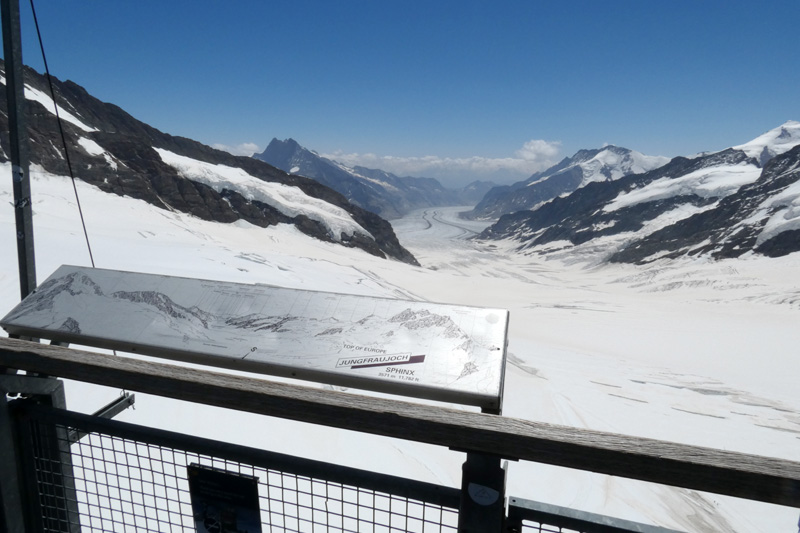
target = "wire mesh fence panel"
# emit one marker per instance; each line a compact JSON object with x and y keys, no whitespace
{"x":116,"y":483}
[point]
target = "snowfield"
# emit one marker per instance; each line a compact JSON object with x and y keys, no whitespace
{"x":690,"y":351}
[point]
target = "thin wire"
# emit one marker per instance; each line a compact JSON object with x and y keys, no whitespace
{"x":63,"y":138}
{"x":61,"y":131}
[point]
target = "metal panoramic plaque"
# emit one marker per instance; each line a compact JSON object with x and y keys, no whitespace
{"x":442,"y":352}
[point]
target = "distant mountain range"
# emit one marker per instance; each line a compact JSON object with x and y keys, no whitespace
{"x":745,"y":199}
{"x":586,"y":166}
{"x":121,"y":155}
{"x":608,"y":204}
{"x":381,"y":192}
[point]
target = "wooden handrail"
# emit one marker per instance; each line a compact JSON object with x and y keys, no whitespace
{"x":742,"y":475}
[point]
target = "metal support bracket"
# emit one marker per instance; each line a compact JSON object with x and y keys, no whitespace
{"x":108,"y":411}
{"x":483,"y":490}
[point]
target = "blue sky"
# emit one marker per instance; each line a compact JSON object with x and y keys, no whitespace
{"x":453,"y":90}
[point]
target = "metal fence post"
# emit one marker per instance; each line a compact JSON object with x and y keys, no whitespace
{"x":18,"y":144}
{"x":59,"y":508}
{"x":483,"y":493}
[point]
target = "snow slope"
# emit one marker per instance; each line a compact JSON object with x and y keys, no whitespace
{"x":717,"y":181}
{"x":774,"y":142}
{"x":690,"y":351}
{"x":710,"y":182}
{"x":291,"y":201}
{"x":32,"y":93}
{"x":783,"y":210}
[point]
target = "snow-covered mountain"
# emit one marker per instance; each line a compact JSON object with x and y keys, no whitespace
{"x":586,"y":166}
{"x":381,"y":192}
{"x":723,"y":204}
{"x":119,"y":154}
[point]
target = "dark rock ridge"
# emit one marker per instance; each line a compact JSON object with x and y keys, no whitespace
{"x":719,"y":205}
{"x":604,"y":164}
{"x":378,"y":191}
{"x":120,"y":157}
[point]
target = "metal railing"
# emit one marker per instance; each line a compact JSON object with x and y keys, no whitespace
{"x":88,"y":473}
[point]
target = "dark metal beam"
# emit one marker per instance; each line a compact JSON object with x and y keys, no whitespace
{"x":19,"y":152}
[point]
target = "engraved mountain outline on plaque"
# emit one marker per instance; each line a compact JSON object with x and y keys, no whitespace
{"x":273,"y":325}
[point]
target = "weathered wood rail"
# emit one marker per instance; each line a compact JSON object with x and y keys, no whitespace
{"x":752,"y":477}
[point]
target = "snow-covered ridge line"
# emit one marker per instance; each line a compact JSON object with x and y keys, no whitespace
{"x":610,"y":164}
{"x":710,"y":182}
{"x":352,"y":171}
{"x":289,"y":200}
{"x":774,"y":142}
{"x":48,"y":103}
{"x":38,"y":96}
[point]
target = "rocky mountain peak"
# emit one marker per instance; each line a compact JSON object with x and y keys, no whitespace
{"x":773,"y":142}
{"x":571,"y":173}
{"x":375,"y":190}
